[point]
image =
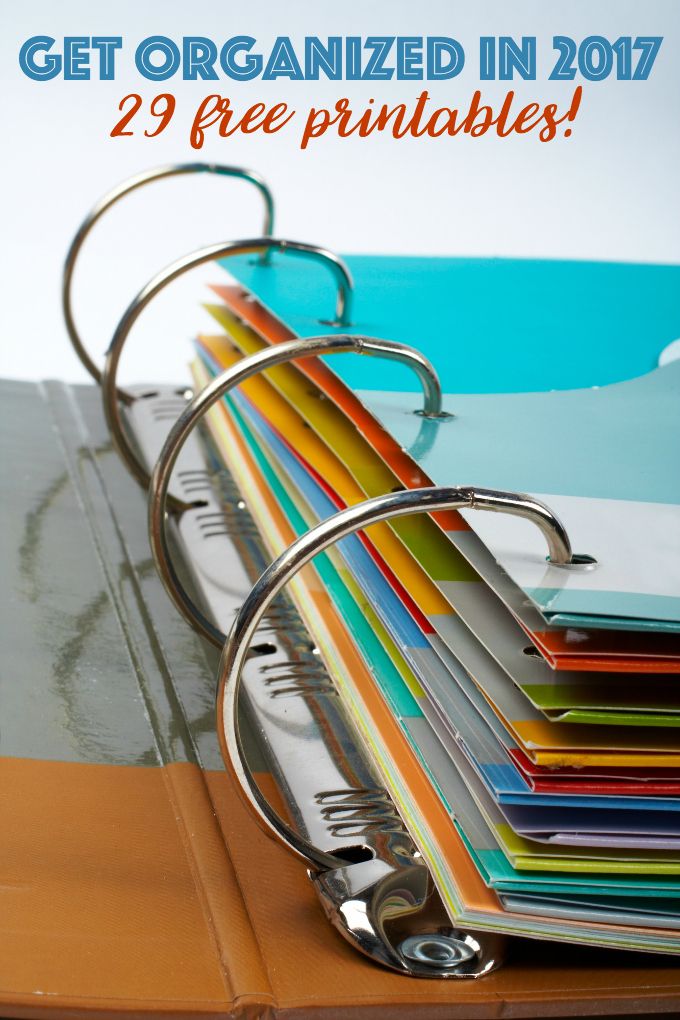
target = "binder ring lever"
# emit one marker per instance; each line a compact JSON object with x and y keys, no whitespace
{"x":125,"y":188}
{"x":284,"y":569}
{"x":214,"y":391}
{"x":110,"y":393}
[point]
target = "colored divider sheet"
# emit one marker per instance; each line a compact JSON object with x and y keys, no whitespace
{"x":463,"y":893}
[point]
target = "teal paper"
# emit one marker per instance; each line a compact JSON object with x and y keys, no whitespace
{"x":619,"y":442}
{"x":488,"y":325}
{"x":606,"y":460}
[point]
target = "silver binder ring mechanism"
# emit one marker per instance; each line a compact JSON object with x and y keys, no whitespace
{"x":110,"y":392}
{"x":215,"y":391}
{"x":283,"y":570}
{"x":110,"y":199}
{"x":359,"y":894}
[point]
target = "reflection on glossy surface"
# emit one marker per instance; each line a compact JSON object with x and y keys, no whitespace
{"x":373,"y":903}
{"x":89,"y":681}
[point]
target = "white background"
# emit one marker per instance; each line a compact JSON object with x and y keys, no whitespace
{"x":610,"y":191}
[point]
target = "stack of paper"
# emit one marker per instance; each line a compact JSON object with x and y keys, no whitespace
{"x":524,"y":715}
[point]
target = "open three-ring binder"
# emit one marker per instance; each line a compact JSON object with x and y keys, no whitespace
{"x":466,"y":780}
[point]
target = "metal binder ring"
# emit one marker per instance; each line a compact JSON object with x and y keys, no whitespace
{"x":113,"y":196}
{"x":214,"y":391}
{"x":284,"y":569}
{"x":110,"y":394}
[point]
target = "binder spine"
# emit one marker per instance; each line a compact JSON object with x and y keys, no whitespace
{"x":114,"y":196}
{"x":110,"y":393}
